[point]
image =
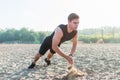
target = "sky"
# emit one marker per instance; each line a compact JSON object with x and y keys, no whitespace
{"x":46,"y":15}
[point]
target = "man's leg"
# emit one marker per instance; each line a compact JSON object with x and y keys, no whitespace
{"x":37,"y":56}
{"x":43,"y":48}
{"x":49,"y":56}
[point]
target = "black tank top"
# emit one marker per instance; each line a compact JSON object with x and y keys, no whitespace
{"x":66,"y":36}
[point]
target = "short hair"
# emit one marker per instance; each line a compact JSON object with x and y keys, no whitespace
{"x":73,"y":16}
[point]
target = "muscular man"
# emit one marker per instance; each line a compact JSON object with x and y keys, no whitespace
{"x":61,"y":34}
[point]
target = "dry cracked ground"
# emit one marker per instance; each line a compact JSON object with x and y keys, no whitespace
{"x":99,"y":61}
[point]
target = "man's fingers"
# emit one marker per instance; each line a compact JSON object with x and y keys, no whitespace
{"x":70,"y":60}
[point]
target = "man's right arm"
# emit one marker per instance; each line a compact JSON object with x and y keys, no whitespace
{"x":55,"y":41}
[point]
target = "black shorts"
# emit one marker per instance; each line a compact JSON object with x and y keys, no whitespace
{"x":46,"y":45}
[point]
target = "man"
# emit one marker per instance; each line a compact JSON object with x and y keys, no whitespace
{"x":61,"y":34}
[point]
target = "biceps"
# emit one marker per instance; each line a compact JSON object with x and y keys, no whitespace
{"x":55,"y":41}
{"x":57,"y":37}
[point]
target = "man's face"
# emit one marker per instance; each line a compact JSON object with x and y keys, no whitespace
{"x":74,"y":24}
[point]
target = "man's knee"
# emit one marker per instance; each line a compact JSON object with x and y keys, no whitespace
{"x":38,"y":54}
{"x":52,"y":51}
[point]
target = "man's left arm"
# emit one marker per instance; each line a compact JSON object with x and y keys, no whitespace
{"x":74,"y":44}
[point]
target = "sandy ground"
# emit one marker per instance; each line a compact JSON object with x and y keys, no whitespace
{"x":99,"y":61}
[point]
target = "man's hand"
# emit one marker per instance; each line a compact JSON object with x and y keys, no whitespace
{"x":70,"y":60}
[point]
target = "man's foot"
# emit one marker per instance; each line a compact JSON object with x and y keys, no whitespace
{"x":31,"y":66}
{"x":48,"y":62}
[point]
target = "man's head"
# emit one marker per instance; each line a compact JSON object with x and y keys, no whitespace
{"x":73,"y":21}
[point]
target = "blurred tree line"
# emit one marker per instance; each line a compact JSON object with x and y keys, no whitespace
{"x":108,"y":34}
{"x":22,"y":36}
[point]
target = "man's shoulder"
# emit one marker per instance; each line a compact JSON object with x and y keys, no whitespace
{"x":61,"y":25}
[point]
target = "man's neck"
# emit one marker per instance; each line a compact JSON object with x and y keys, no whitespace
{"x":69,"y":29}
